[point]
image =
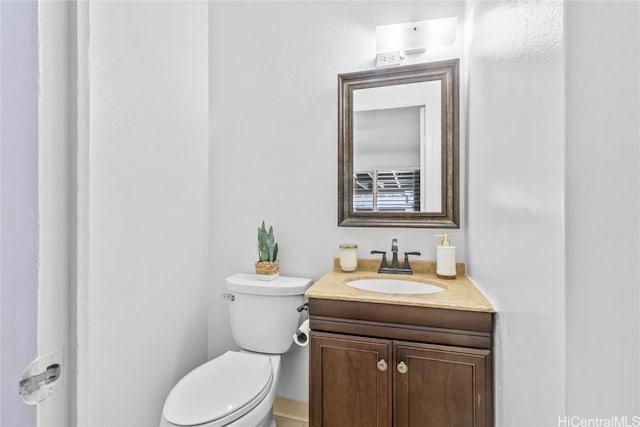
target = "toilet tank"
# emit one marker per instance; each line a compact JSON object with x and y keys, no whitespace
{"x":263,"y":313}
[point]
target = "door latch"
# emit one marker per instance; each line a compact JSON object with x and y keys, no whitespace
{"x":40,"y":378}
{"x":33,"y":383}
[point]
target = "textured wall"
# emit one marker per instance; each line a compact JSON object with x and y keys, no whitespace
{"x":515,"y":199}
{"x":142,"y":310}
{"x":602,"y":208}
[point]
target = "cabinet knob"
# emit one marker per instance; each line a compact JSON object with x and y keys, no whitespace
{"x":402,"y":368}
{"x":382,"y":365}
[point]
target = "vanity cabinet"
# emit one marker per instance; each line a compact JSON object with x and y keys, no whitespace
{"x":440,"y":386}
{"x":389,"y":365}
{"x":348,"y":384}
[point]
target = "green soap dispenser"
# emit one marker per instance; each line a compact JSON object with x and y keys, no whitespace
{"x":445,"y":258}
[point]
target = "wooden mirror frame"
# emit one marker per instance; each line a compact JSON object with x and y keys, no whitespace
{"x":448,"y":73}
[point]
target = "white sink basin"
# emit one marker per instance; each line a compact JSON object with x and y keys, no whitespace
{"x":394,"y":286}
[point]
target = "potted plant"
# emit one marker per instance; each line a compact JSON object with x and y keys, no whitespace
{"x":267,"y":266}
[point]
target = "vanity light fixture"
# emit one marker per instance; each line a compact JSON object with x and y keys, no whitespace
{"x":395,"y":41}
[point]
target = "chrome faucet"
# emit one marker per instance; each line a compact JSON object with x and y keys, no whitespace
{"x":394,"y":268}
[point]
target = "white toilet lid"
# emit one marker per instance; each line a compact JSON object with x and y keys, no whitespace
{"x":232,"y":384}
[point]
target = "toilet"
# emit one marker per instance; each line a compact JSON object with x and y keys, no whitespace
{"x":238,"y":388}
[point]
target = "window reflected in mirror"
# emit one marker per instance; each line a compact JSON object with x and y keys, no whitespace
{"x":387,"y":191}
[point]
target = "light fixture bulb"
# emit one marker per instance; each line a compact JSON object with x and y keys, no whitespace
{"x":416,"y":37}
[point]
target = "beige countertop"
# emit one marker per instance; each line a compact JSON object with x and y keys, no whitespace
{"x":460,"y":293}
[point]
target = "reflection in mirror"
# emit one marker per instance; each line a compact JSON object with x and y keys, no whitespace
{"x":394,"y":132}
{"x":398,"y":144}
{"x":387,"y":176}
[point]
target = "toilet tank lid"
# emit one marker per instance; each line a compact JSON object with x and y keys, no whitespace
{"x":282,"y":285}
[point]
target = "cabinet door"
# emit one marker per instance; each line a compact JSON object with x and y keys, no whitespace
{"x":350,"y":381}
{"x":442,"y":386}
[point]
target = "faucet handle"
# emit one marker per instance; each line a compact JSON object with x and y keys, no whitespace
{"x":405,"y":264}
{"x":394,"y":245}
{"x":383,"y":263}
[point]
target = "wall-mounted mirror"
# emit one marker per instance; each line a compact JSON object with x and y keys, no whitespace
{"x":398,"y":147}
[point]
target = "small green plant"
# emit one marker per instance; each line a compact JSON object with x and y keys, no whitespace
{"x":267,"y":246}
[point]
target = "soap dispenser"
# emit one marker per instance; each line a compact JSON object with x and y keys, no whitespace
{"x":445,"y":258}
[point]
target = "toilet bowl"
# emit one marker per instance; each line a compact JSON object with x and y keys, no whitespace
{"x":238,"y":388}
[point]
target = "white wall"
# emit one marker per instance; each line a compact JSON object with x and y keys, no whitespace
{"x":515,"y":197}
{"x":143,"y":205}
{"x":372,"y":131}
{"x":54,"y":204}
{"x":602,"y":212}
{"x":273,"y":116}
{"x":523,"y":172}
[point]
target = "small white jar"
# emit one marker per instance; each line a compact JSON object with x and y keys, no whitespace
{"x":348,"y":257}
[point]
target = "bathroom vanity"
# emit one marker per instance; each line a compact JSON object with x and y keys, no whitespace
{"x":386,"y":359}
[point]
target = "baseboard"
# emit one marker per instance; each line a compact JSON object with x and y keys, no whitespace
{"x":292,"y":409}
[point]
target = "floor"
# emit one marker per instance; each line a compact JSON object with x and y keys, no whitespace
{"x":290,"y":413}
{"x":289,"y":422}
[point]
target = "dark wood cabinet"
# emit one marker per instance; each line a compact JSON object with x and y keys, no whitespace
{"x":364,"y":372}
{"x":347,"y":380}
{"x":441,"y":386}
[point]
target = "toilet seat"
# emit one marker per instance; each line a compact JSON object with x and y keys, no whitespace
{"x":220,"y":391}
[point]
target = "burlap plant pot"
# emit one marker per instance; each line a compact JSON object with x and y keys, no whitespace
{"x":267,"y":270}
